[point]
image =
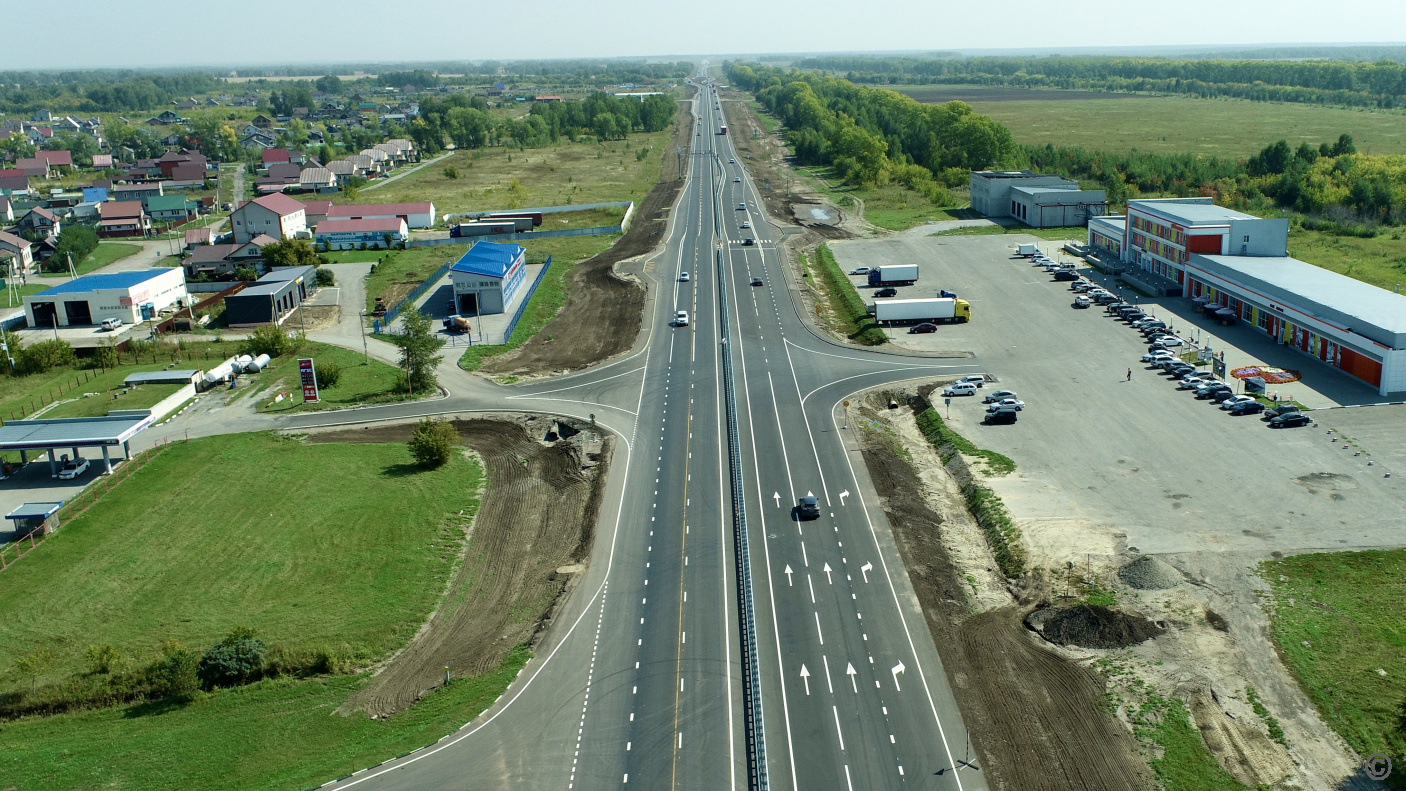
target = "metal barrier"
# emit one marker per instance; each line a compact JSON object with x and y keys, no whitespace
{"x":522,"y":306}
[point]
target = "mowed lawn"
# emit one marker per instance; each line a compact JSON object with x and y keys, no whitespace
{"x":362,"y":381}
{"x":1179,"y":124}
{"x":1340,"y":627}
{"x":341,"y":546}
{"x":556,"y":175}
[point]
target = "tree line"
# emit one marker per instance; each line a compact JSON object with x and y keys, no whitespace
{"x":466,"y":122}
{"x":85,"y":92}
{"x":875,"y":136}
{"x":1362,"y":84}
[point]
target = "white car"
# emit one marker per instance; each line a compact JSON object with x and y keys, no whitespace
{"x":1193,"y":381}
{"x":859,"y":270}
{"x":681,"y":318}
{"x":683,"y":278}
{"x":976,"y":379}
{"x":959,"y":389}
{"x":731,"y":161}
{"x":745,"y":224}
{"x":1006,"y":404}
{"x":1160,"y":354}
{"x":1233,"y":400}
{"x":1167,"y":341}
{"x":72,"y":468}
{"x":736,"y":179}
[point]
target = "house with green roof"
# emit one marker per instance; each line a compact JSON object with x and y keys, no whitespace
{"x":169,"y":208}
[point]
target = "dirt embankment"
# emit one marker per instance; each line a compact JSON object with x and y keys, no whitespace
{"x":604,"y":310}
{"x":1037,"y":720}
{"x":537,"y":515}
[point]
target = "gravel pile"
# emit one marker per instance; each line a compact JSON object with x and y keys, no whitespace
{"x":1150,"y":574}
{"x":1092,"y":626}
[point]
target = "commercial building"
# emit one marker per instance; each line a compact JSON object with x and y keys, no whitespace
{"x":487,"y":276}
{"x":272,"y":297}
{"x":130,"y":296}
{"x":277,"y":215}
{"x":1040,"y":200}
{"x":416,"y":215}
{"x":1220,"y":257}
{"x":361,"y":234}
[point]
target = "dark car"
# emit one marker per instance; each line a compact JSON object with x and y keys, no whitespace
{"x":756,"y":281}
{"x":1247,"y":408}
{"x":1000,"y":418}
{"x":1132,"y":315}
{"x":886,"y":292}
{"x":1178,"y":371}
{"x":1282,"y":409}
{"x":808,"y":507}
{"x":1290,"y":420}
{"x":1066,"y":275}
{"x":748,"y":242}
{"x":919,"y":329}
{"x":1217,"y":395}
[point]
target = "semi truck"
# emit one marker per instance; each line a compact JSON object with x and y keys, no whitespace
{"x":894,"y":275}
{"x":890,"y":311}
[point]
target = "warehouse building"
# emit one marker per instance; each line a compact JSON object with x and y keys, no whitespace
{"x":361,"y":234}
{"x":271,"y":298}
{"x":130,"y":296}
{"x":1040,"y":200}
{"x":487,"y":276}
{"x":416,"y":215}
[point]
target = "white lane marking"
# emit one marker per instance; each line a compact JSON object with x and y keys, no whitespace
{"x":819,"y":633}
{"x":828,"y":685}
{"x":896,"y":669}
{"x":827,"y":571}
{"x":812,"y":589}
{"x":839,"y":734}
{"x":805,"y":677}
{"x":788,"y":572}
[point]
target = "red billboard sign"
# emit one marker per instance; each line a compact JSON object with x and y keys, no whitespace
{"x":309,"y":378}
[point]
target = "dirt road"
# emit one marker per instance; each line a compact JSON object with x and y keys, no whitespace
{"x":537,"y":516}
{"x":603,"y":310}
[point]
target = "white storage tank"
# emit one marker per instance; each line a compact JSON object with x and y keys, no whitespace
{"x":257,"y":364}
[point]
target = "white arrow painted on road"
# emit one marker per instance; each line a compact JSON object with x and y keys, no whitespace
{"x":851,"y":672}
{"x":843,"y":495}
{"x":898,"y":668}
{"x":788,"y":574}
{"x":827,"y":574}
{"x":805,"y":677}
{"x":865,"y":569}
{"x":777,"y":495}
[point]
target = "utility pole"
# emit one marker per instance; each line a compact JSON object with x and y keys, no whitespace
{"x":365,"y":353}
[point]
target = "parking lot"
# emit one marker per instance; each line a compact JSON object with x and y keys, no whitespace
{"x":1107,"y":463}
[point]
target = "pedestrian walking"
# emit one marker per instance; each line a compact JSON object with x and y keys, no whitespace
{"x":1130,"y":374}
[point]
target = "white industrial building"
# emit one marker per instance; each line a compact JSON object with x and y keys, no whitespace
{"x":487,"y":276}
{"x":416,"y":215}
{"x":1040,"y":200}
{"x":131,"y":296}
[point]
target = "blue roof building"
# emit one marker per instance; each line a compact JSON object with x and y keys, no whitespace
{"x":129,"y":296}
{"x":487,"y":277}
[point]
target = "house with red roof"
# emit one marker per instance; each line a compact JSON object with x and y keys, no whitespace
{"x":56,"y":159}
{"x":276,"y":215}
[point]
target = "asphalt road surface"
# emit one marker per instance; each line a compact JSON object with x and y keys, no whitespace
{"x":639,"y":683}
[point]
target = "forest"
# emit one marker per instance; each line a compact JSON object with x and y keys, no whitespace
{"x":466,"y":122}
{"x":875,"y":137}
{"x":1357,"y":84}
{"x":98,"y":91}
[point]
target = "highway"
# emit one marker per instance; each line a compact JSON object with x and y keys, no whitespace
{"x":640,"y":681}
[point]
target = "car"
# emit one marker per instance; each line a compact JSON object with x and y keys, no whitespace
{"x":681,"y":318}
{"x":1247,"y":408}
{"x":925,"y":327}
{"x":756,"y":281}
{"x":959,"y":389}
{"x":1082,"y":302}
{"x":736,"y":179}
{"x":1103,"y":297}
{"x":1131,"y":315}
{"x":111,"y":324}
{"x":731,"y":161}
{"x":1216,"y":394}
{"x":72,"y":468}
{"x":1148,"y":325}
{"x":976,"y":379}
{"x":1282,"y":409}
{"x":745,"y":224}
{"x":742,"y":207}
{"x":859,"y":270}
{"x":808,"y":507}
{"x":1168,"y":363}
{"x":1190,"y":381}
{"x":995,"y":418}
{"x":1168,"y":341}
{"x":1290,"y":420}
{"x":997,"y":396}
{"x":1006,"y":403}
{"x":886,"y":292}
{"x":749,"y":242}
{"x":683,"y":277}
{"x":1236,"y":399}
{"x":1152,"y":357}
{"x":1064,"y":275}
{"x":1210,"y":384}
{"x":1080,"y":286}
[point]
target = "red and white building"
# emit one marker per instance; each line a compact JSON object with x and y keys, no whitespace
{"x":416,"y":215}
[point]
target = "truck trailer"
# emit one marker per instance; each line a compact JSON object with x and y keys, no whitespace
{"x":891,"y":311}
{"x":894,"y":275}
{"x":722,"y":130}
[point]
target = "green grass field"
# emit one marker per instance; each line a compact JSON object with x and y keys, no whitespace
{"x":142,"y":397}
{"x":306,"y":558}
{"x":549,"y":296}
{"x":1380,"y":260}
{"x":555,"y":175}
{"x":1339,"y":626}
{"x":1181,"y":124}
{"x":362,"y":382}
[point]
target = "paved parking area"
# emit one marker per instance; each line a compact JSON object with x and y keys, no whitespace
{"x":1107,"y":463}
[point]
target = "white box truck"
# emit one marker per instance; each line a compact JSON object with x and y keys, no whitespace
{"x":1027,"y":250}
{"x":890,"y":311}
{"x":894,"y":275}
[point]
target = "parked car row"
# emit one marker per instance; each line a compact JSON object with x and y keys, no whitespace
{"x":1002,"y":406}
{"x":1208,"y":388}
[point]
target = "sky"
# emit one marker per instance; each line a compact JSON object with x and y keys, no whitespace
{"x":151,"y":34}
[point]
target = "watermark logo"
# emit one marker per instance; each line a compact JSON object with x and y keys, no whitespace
{"x":1377,"y":766}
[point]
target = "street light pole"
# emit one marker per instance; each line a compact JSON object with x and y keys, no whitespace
{"x":365,"y":353}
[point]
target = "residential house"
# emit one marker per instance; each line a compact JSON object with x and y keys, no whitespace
{"x":68,"y":125}
{"x":37,"y":135}
{"x":283,"y":170}
{"x":170,"y":208}
{"x":7,"y":211}
{"x":277,"y":215}
{"x":341,"y":170}
{"x":189,"y":173}
{"x":380,"y":162}
{"x":165,"y":118}
{"x":199,"y":236}
{"x":123,"y":218}
{"x":41,"y":116}
{"x":186,"y":105}
{"x":102,"y":161}
{"x":56,"y":159}
{"x":210,"y":259}
{"x":260,"y":140}
{"x":393,"y":154}
{"x":274,"y":155}
{"x":17,"y":248}
{"x":13,"y":184}
{"x":300,"y":112}
{"x":186,"y":158}
{"x":262,"y":122}
{"x":38,"y":220}
{"x":34,"y":167}
{"x":94,"y":194}
{"x":137,"y":192}
{"x":317,"y":179}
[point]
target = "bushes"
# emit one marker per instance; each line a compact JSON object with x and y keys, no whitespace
{"x":432,"y":443}
{"x":232,"y":662}
{"x":325,"y":277}
{"x":846,"y":302}
{"x":328,"y":374}
{"x":39,"y":357}
{"x":269,"y":340}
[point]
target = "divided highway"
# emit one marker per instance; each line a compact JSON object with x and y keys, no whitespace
{"x":640,"y":682}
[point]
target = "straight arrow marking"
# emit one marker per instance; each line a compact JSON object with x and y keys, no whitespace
{"x":851,"y":672}
{"x":827,"y":574}
{"x":805,"y":677}
{"x":788,"y":574}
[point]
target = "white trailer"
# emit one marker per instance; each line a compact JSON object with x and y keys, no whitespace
{"x":894,"y":275}
{"x":1027,"y":250}
{"x":889,"y":311}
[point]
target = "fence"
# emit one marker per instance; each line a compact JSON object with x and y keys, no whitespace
{"x":599,"y":230}
{"x":413,"y":295}
{"x":522,"y":306}
{"x":73,"y":508}
{"x":170,"y":323}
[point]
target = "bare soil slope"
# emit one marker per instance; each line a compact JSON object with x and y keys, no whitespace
{"x":538,"y":514}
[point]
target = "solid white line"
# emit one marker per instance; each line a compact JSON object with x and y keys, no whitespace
{"x":574,"y":401}
{"x":871,"y":373}
{"x":874,"y":360}
{"x":819,"y":633}
{"x":838,"y":733}
{"x":583,"y":384}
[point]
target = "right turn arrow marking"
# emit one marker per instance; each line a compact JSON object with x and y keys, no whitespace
{"x":898,"y":668}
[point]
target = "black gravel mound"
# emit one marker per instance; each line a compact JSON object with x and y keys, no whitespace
{"x":1092,"y":626}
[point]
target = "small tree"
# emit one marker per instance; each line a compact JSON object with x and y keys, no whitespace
{"x":45,"y":355}
{"x":451,"y":172}
{"x":418,"y":352}
{"x":245,"y":273}
{"x":35,"y":664}
{"x":292,"y":252}
{"x":325,"y":277}
{"x":106,"y":355}
{"x":238,"y":659}
{"x":432,"y":443}
{"x":328,"y":374}
{"x":180,"y":674}
{"x":270,"y":340}
{"x":104,"y":659}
